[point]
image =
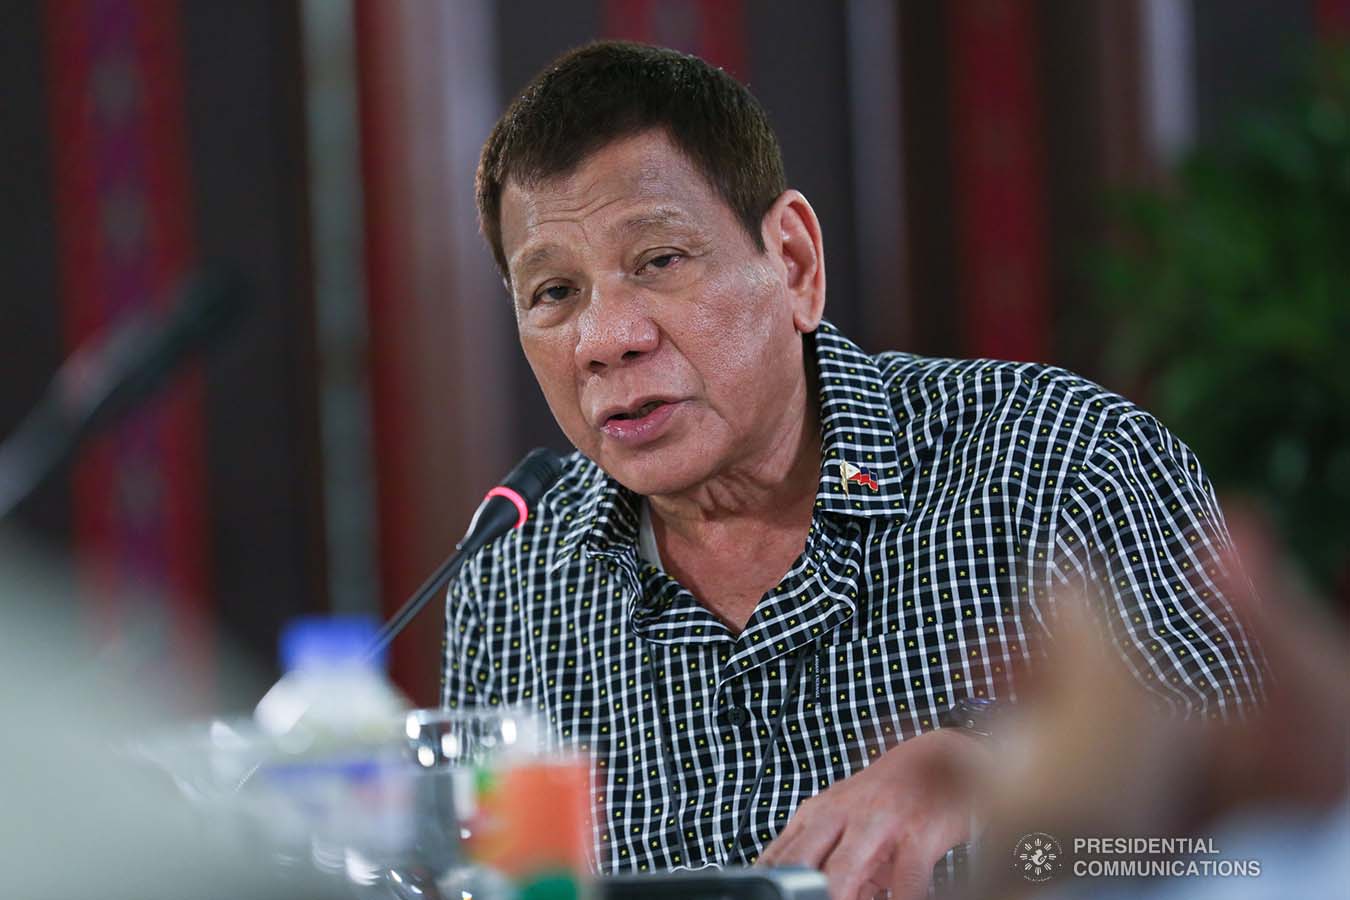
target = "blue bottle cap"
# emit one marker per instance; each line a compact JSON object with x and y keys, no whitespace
{"x":313,"y":642}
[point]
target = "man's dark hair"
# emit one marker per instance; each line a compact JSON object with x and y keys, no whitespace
{"x":594,"y":95}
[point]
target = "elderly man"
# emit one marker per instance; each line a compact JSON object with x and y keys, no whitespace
{"x":776,"y":562}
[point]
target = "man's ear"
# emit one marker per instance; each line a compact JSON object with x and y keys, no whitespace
{"x":791,"y":234}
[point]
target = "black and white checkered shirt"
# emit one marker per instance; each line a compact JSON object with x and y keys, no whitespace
{"x":997,"y":485}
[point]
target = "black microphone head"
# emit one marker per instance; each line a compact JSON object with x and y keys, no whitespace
{"x":104,"y":380}
{"x":113,"y":372}
{"x":535,"y":474}
{"x":509,"y":503}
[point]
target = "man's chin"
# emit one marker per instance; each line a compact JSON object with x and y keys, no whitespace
{"x":655,"y":472}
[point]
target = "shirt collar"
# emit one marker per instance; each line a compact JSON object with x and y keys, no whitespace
{"x":858,"y":431}
{"x":605,"y":520}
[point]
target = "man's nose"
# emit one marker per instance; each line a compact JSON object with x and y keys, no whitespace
{"x":614,"y":327}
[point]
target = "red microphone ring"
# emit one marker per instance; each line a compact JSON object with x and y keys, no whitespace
{"x":502,"y":490}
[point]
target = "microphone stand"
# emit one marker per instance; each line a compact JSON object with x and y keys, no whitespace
{"x":110,"y":376}
{"x":434,"y":584}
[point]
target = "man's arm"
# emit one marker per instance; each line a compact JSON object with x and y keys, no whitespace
{"x":1141,"y":529}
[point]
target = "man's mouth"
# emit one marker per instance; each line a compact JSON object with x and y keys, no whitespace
{"x":638,"y":425}
{"x":641,"y":412}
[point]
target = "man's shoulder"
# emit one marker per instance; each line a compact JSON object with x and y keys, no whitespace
{"x":1018,"y":394}
{"x":901,"y":371}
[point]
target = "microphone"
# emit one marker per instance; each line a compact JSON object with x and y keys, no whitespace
{"x":504,"y":507}
{"x":105,"y":378}
{"x":511,"y":499}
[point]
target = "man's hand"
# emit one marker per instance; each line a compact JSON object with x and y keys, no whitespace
{"x":888,"y":825}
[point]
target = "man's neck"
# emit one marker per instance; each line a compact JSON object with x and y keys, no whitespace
{"x":777,"y":485}
{"x":764,"y":506}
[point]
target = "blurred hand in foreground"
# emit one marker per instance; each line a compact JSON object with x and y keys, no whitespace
{"x":1088,"y":754}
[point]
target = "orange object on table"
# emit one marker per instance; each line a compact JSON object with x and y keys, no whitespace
{"x":537,"y":818}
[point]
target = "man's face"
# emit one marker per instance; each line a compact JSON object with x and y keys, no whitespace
{"x":663,"y":339}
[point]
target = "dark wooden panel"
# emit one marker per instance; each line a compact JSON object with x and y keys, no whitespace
{"x":439,"y":355}
{"x":30,"y":322}
{"x":530,"y":35}
{"x":797,"y":70}
{"x":927,"y":140}
{"x":246,"y":121}
{"x":1076,"y":116}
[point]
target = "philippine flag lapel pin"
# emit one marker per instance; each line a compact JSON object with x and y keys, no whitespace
{"x":846,"y":471}
{"x":851,"y":474}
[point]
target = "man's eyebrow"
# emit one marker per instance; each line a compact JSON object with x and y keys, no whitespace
{"x":536,"y":257}
{"x":663,"y":217}
{"x":648,"y":220}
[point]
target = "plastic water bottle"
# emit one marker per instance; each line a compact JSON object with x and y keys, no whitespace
{"x":339,"y":780}
{"x":330,"y":692}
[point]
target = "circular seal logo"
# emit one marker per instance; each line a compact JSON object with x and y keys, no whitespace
{"x":1037,"y":855}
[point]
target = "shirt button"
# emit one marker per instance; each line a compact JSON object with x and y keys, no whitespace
{"x":735,"y":716}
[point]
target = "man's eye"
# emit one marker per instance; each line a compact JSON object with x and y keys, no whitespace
{"x":554,"y":294}
{"x":664,"y":261}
